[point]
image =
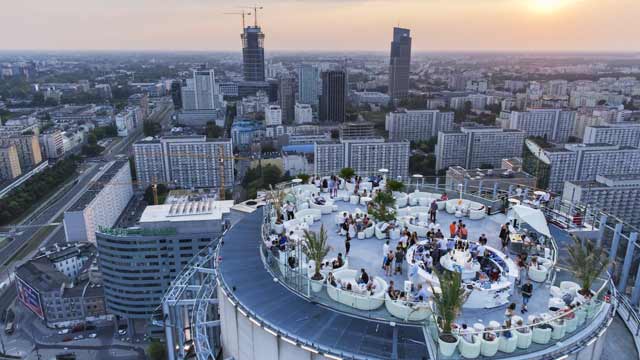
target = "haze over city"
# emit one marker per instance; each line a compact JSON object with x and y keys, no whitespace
{"x":310,"y":25}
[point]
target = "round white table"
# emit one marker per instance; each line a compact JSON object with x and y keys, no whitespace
{"x":459,"y":261}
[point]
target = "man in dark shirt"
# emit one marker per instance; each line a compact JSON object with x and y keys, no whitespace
{"x":364,"y":277}
{"x":527,"y":291}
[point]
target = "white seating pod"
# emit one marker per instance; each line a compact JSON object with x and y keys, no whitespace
{"x":541,"y":336}
{"x":524,"y":339}
{"x":559,"y":329}
{"x":380,"y":235}
{"x":316,"y":213}
{"x":572,"y":324}
{"x":470,"y":350}
{"x":581,"y":315}
{"x":421,"y":198}
{"x":489,"y":348}
{"x":370,"y":231}
{"x":402,"y":199}
{"x":421,"y":231}
{"x":327,"y":208}
{"x":538,"y":274}
{"x":508,"y":345}
{"x":569,"y":287}
{"x":356,"y":300}
{"x":477,"y":214}
{"x":407,"y":311}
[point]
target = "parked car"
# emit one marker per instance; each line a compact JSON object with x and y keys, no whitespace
{"x":93,"y":335}
{"x":64,"y":331}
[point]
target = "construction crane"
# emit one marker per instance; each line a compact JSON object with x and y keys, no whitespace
{"x":242,"y":13}
{"x":255,"y":9}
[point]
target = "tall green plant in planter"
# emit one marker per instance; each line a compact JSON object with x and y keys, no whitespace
{"x":347,"y":173}
{"x":382,"y":207}
{"x":304,"y":178}
{"x":447,"y":307}
{"x":276,"y":197}
{"x":315,"y":247}
{"x":395,"y":185}
{"x":588,"y":261}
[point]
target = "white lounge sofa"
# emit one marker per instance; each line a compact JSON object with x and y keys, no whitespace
{"x":539,"y":274}
{"x":407,"y":312}
{"x":541,"y":336}
{"x":370,"y":231}
{"x":420,"y":230}
{"x":489,"y":348}
{"x":421,"y":198}
{"x":508,"y":345}
{"x":327,"y":208}
{"x":402,"y":199}
{"x":355,"y":300}
{"x":524,"y":339}
{"x":316,"y":213}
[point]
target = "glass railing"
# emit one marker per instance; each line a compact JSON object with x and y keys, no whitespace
{"x":530,"y":333}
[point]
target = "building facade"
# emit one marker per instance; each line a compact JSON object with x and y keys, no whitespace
{"x":417,"y":125}
{"x":615,"y":134}
{"x":27,"y":147}
{"x":303,"y":114}
{"x":273,"y":115}
{"x":287,"y":97}
{"x":101,"y":204}
{"x":400,"y":63}
{"x":332,"y":101}
{"x":184,"y":161}
{"x":9,"y":163}
{"x":477,"y":147}
{"x":551,"y":124}
{"x":308,"y":84}
{"x":253,"y":54}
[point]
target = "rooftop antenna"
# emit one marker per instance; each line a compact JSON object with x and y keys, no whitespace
{"x":255,"y":9}
{"x":243,"y":13}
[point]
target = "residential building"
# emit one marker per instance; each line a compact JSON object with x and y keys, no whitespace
{"x":184,"y":161}
{"x":551,"y":124}
{"x":52,"y":144}
{"x":298,"y":159}
{"x":475,"y":146}
{"x":308,"y":84}
{"x":138,"y":264}
{"x":357,"y":130}
{"x":56,"y":285}
{"x":125,"y":121}
{"x":287,"y":97}
{"x":417,"y":125}
{"x":303,"y":114}
{"x":332,"y":101}
{"x":623,"y":134}
{"x":9,"y":163}
{"x":618,"y":195}
{"x":245,"y":132}
{"x":101,"y":204}
{"x":142,"y":101}
{"x":27,"y":147}
{"x":253,"y":54}
{"x":201,"y":92}
{"x":273,"y":115}
{"x":400,"y":63}
{"x":364,"y":156}
{"x":555,"y":165}
{"x":228,"y":89}
{"x":371,"y":98}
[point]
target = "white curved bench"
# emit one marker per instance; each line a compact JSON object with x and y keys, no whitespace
{"x":370,"y":231}
{"x":404,"y":311}
{"x":402,"y":199}
{"x":354,"y":300}
{"x":327,"y":208}
{"x":316,"y":213}
{"x":421,"y":198}
{"x":420,"y":230}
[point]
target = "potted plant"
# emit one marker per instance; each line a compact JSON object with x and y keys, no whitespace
{"x":382,"y":207}
{"x":587,"y":261}
{"x":314,"y":247}
{"x":447,"y":307}
{"x":395,"y":185}
{"x":304,"y":178}
{"x":347,"y":173}
{"x":276,"y":198}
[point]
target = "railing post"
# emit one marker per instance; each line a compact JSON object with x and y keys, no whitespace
{"x":437,"y":182}
{"x":635,"y":293}
{"x":601,"y":229}
{"x":510,"y":190}
{"x":480,"y":188}
{"x":628,"y":258}
{"x":495,"y":190}
{"x":614,"y":243}
{"x":466,"y":184}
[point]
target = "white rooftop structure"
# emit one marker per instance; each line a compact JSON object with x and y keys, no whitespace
{"x":207,"y":209}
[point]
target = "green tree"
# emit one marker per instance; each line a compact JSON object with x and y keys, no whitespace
{"x":347,"y":173}
{"x":315,"y":247}
{"x":588,"y":261}
{"x":92,"y":139}
{"x":381,"y":207}
{"x":156,"y":351}
{"x":214,"y":131}
{"x":448,"y":302}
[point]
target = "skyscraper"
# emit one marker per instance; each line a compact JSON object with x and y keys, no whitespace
{"x":400,"y":63}
{"x":287,"y":97}
{"x":253,"y":53}
{"x":200,"y":93}
{"x":332,"y":101}
{"x":308,"y":84}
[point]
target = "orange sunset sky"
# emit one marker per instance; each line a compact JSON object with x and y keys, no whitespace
{"x":437,"y":25}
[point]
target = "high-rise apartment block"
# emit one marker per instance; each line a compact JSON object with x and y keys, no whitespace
{"x":477,"y":146}
{"x":552,"y":124}
{"x":416,"y":125}
{"x":101,"y":204}
{"x":9,"y":163}
{"x":623,"y":134}
{"x":201,"y":92}
{"x":308,"y":84}
{"x":618,"y":195}
{"x":273,"y":115}
{"x":287,"y":97}
{"x":400,"y":63}
{"x":142,"y":101}
{"x":357,"y":130}
{"x":332,"y":101}
{"x":253,"y":54}
{"x":365,"y":156}
{"x":553,"y":166}
{"x":27,"y":146}
{"x":185,"y":161}
{"x":52,"y":144}
{"x":303,"y":114}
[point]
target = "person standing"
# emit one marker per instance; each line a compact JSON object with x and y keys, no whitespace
{"x":347,"y":245}
{"x":399,"y":259}
{"x":289,"y":208}
{"x":504,"y":237}
{"x":527,"y":291}
{"x":385,"y":252}
{"x":432,"y":211}
{"x":453,"y":229}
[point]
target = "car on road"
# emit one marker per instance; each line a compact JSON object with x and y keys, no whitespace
{"x":64,"y":331}
{"x":93,"y":335}
{"x":78,"y":337}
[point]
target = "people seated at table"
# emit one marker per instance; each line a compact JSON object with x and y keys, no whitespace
{"x":466,"y":333}
{"x":534,"y":263}
{"x":422,"y":295}
{"x":489,"y":334}
{"x":338,"y":262}
{"x":521,"y":328}
{"x":394,"y":294}
{"x":363,"y":278}
{"x":319,"y":200}
{"x":444,"y":197}
{"x":331,"y":279}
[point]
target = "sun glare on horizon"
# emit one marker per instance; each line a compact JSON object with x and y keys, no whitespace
{"x":546,"y":6}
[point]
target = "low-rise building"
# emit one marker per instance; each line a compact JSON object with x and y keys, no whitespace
{"x":487,"y":179}
{"x":303,"y":114}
